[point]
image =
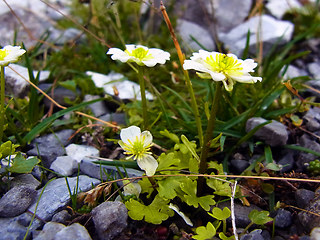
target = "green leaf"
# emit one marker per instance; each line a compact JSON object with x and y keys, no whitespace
{"x":204,"y":233}
{"x":168,"y":161}
{"x":259,"y":218}
{"x":171,"y":136}
{"x":190,"y":188}
{"x":146,"y":186}
{"x":190,"y":147}
{"x":220,"y":214}
{"x":155,"y":213}
{"x":221,"y":188}
{"x":22,"y":165}
{"x":7,"y":149}
{"x":168,"y":187}
{"x":69,"y":84}
{"x":224,"y":237}
{"x":215,"y":143}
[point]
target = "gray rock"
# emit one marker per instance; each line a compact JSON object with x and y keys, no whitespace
{"x":189,"y":31}
{"x":283,"y":218}
{"x":79,"y":152}
{"x":314,"y":69}
{"x":72,"y":232}
{"x":49,"y":231}
{"x":315,"y":234}
{"x":64,"y":165}
{"x":270,"y":31}
{"x":125,"y":88}
{"x":97,"y":108}
{"x":226,"y":22}
{"x":239,"y":165}
{"x":306,"y":238}
{"x":16,"y":84}
{"x":287,"y":161}
{"x":27,"y":180}
{"x":274,"y":133}
{"x":110,"y":219}
{"x":98,"y":171}
{"x":62,"y":96}
{"x":61,"y":217}
{"x":309,"y":221}
{"x":254,"y":235}
{"x":293,"y":72}
{"x":16,"y":201}
{"x":303,"y":197}
{"x":11,"y":229}
{"x":119,"y":118}
{"x":241,"y":213}
{"x":303,"y":158}
{"x":50,"y":146}
{"x":279,"y":7}
{"x":312,"y":119}
{"x":56,"y":196}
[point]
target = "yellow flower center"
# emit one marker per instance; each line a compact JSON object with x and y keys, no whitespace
{"x":137,"y":148}
{"x":140,"y":53}
{"x":3,"y":54}
{"x":224,"y":64}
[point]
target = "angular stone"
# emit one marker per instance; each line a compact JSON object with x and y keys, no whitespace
{"x":314,"y":69}
{"x":110,"y":219}
{"x":270,"y":31}
{"x":72,"y":232}
{"x":225,"y":22}
{"x":50,"y":146}
{"x":11,"y":229}
{"x":61,"y":217}
{"x":306,"y":141}
{"x":190,"y":32}
{"x":283,"y":218}
{"x":279,"y":7}
{"x":119,"y":118}
{"x":312,"y":119}
{"x":16,"y":201}
{"x":293,"y":72}
{"x":97,"y":108}
{"x":49,"y":231}
{"x":26,"y":180}
{"x":274,"y":133}
{"x":308,"y":220}
{"x":79,"y":152}
{"x":98,"y":171}
{"x":56,"y":196}
{"x":112,"y":81}
{"x":254,"y":235}
{"x":303,"y":197}
{"x":16,"y":84}
{"x":64,"y":165}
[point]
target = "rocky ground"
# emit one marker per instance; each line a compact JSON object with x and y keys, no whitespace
{"x":50,"y":200}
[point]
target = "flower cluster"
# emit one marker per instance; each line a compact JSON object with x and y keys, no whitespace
{"x":137,"y":144}
{"x":222,"y":67}
{"x":139,"y":54}
{"x":10,"y":54}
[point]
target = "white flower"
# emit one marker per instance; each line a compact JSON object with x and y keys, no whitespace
{"x":177,"y":210}
{"x":137,"y":145}
{"x":131,"y":188}
{"x":222,"y":67}
{"x":140,"y":55}
{"x":10,"y":54}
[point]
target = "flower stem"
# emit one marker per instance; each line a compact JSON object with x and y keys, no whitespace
{"x":2,"y":95}
{"x":206,"y":146}
{"x":186,"y":74}
{"x":143,"y":97}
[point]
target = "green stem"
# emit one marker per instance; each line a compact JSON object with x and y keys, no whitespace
{"x":2,"y":102}
{"x":143,"y":97}
{"x":209,"y":132}
{"x":194,"y":107}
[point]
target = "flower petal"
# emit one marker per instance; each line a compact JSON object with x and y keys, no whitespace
{"x":148,"y":164}
{"x":246,"y":78}
{"x":148,"y":138}
{"x":228,"y":84}
{"x":177,"y":210}
{"x":129,"y":133}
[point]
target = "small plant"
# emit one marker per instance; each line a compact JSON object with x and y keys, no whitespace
{"x":314,"y":167}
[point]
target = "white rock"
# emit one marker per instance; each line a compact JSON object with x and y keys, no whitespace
{"x":64,"y":165}
{"x":279,"y":7}
{"x":79,"y":152}
{"x":293,"y":72}
{"x":188,"y":30}
{"x":229,"y":13}
{"x":315,"y":234}
{"x":126,"y":88}
{"x":314,"y":69}
{"x":16,"y":83}
{"x":269,"y":30}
